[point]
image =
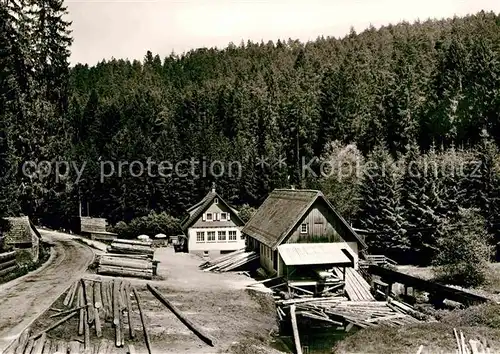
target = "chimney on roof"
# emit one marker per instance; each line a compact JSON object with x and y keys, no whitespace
{"x":213,"y":187}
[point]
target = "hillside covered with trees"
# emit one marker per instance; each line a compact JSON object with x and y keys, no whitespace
{"x":407,"y":98}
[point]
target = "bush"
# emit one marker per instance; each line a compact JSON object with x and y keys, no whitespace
{"x":463,"y":250}
{"x":151,"y":225}
{"x":246,"y":212}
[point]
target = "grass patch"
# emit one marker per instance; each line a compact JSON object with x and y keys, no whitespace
{"x":26,"y":265}
{"x":477,"y":322}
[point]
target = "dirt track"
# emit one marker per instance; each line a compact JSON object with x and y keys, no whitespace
{"x":24,"y":299}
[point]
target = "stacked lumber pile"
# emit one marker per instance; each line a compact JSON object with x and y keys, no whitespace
{"x":132,"y":247}
{"x":97,"y":304}
{"x":128,"y":258}
{"x":347,"y":314}
{"x":125,"y":266}
{"x":7,"y":263}
{"x":230,"y":261}
{"x":282,"y":289}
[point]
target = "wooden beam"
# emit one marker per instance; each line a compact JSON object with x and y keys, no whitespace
{"x":144,"y":327}
{"x":62,"y":320}
{"x":192,"y":326}
{"x":296,"y":338}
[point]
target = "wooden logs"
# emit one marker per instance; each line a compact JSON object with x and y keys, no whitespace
{"x":69,"y":294}
{"x":81,"y":313}
{"x":53,"y":325}
{"x":126,"y":262}
{"x":89,"y":301}
{"x":132,"y":242}
{"x":130,"y":249}
{"x":47,"y":348}
{"x":122,"y":271}
{"x":129,"y":312}
{"x":29,"y":346}
{"x":192,"y":326}
{"x":144,"y":327}
{"x":23,"y":340}
{"x":86,"y":330}
{"x":8,"y":264}
{"x":116,"y":314}
{"x":296,"y":338}
{"x":7,"y":256}
{"x":8,"y":270}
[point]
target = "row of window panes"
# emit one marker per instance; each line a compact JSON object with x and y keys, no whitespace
{"x":210,"y":216}
{"x":221,"y":236}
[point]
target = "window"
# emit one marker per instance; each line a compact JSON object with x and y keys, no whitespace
{"x":223,"y":216}
{"x":232,"y":235}
{"x":216,"y":200}
{"x":205,"y":253}
{"x":303,"y":229}
{"x":200,"y":236}
{"x":211,"y":236}
{"x":209,"y":216}
{"x":242,"y":236}
{"x":222,"y":235}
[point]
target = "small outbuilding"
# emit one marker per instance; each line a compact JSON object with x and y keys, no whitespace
{"x":23,"y":237}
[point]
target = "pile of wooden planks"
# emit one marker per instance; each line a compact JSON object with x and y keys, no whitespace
{"x":349,"y":313}
{"x":230,"y":261}
{"x":356,"y":287}
{"x":139,"y":266}
{"x":97,"y":303}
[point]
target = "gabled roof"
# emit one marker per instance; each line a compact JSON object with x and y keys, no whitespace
{"x":281,"y":212}
{"x":199,"y":208}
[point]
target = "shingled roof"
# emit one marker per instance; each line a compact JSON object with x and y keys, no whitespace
{"x":20,"y":232}
{"x":281,"y":212}
{"x":199,"y":208}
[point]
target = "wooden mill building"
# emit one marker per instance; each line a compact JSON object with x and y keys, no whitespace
{"x":290,"y":216}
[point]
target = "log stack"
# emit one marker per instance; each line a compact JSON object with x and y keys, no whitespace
{"x":97,"y":304}
{"x":125,"y":267}
{"x":7,"y":263}
{"x":128,"y":258}
{"x":131,"y":247}
{"x":230,"y":261}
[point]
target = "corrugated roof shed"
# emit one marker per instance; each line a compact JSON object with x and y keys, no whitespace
{"x":313,"y":253}
{"x":282,"y":210}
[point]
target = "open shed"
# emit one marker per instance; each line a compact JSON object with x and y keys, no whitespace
{"x":310,"y":266}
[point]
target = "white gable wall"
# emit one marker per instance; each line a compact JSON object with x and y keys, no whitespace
{"x":214,"y":248}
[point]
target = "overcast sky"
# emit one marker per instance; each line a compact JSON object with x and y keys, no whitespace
{"x":127,"y":29}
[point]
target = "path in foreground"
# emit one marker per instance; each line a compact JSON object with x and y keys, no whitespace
{"x":24,"y":299}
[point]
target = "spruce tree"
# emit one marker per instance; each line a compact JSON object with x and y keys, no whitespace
{"x":381,"y":212}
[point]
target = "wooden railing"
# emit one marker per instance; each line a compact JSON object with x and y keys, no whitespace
{"x":379,"y":260}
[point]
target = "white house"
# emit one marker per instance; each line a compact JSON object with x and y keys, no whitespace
{"x":213,"y":227}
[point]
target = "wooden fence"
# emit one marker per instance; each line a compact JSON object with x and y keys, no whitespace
{"x":379,"y":260}
{"x":7,"y":263}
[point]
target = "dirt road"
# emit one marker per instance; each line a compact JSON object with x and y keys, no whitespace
{"x":24,"y":299}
